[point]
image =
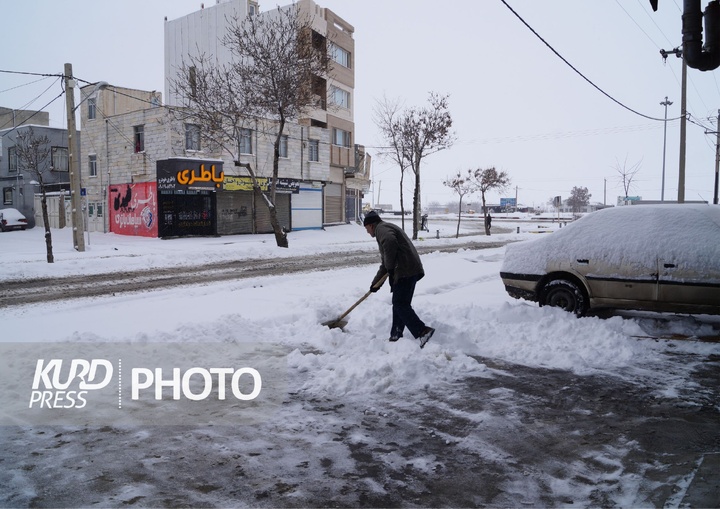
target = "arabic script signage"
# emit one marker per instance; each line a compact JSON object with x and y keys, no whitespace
{"x":133,"y":209}
{"x":233,"y":183}
{"x":189,"y":174}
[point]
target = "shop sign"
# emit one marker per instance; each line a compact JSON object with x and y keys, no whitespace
{"x":185,"y":174}
{"x":234,"y":183}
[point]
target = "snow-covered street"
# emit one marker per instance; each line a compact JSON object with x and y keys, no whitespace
{"x":509,"y":404}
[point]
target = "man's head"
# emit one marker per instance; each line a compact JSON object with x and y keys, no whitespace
{"x":371,"y":220}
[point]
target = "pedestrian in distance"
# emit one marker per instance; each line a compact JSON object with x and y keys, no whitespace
{"x":488,"y":221}
{"x":401,"y":262}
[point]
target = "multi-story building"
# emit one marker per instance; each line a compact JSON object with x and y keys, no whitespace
{"x":20,"y":185}
{"x":145,"y":172}
{"x":201,"y":33}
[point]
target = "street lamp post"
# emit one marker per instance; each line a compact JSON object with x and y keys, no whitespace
{"x":683,"y":121}
{"x":665,"y":103}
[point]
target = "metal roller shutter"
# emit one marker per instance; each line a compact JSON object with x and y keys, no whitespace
{"x":262,"y":214}
{"x":333,"y":203}
{"x":234,"y":212}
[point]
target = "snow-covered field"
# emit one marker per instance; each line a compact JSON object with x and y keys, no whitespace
{"x":275,"y":323}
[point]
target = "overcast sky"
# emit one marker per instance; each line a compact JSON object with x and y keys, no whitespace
{"x":515,"y":104}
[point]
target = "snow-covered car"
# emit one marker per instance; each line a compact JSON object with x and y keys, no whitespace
{"x":12,"y":219}
{"x":663,"y":258}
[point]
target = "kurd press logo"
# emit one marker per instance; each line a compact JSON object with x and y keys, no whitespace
{"x":147,"y":383}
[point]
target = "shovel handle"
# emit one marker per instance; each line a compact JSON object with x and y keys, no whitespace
{"x":376,"y":285}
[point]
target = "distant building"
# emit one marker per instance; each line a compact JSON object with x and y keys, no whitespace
{"x":19,"y":185}
{"x":10,"y":118}
{"x":157,"y":180}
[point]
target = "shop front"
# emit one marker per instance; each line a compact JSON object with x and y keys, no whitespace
{"x":239,"y":210}
{"x":187,"y":196}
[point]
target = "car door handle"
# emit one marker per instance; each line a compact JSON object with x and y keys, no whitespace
{"x":582,"y":261}
{"x":669,"y":265}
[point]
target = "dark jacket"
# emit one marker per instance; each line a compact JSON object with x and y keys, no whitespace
{"x":398,"y":254}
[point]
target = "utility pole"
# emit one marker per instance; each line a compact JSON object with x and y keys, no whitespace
{"x":717,"y":161}
{"x":75,"y":201}
{"x":717,"y":158}
{"x":665,"y":103}
{"x":683,"y":121}
{"x":604,"y":191}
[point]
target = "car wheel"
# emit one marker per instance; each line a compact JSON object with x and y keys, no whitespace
{"x":566,"y":295}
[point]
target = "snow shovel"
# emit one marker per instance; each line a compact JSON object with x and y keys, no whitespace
{"x":340,"y":322}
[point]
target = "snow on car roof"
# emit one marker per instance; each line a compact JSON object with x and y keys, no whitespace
{"x":629,"y":237}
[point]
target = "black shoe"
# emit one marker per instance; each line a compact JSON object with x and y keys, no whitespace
{"x":426,"y":335}
{"x":394,"y":338}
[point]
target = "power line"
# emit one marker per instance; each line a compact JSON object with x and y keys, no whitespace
{"x":575,"y":69}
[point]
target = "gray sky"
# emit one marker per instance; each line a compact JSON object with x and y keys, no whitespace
{"x":515,"y":104}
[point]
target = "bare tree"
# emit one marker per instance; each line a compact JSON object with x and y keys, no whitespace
{"x":462,"y":185}
{"x":33,"y":154}
{"x":488,"y":179}
{"x":579,"y":199}
{"x":386,"y":114}
{"x":627,"y":175}
{"x":416,"y":133}
{"x":279,"y":65}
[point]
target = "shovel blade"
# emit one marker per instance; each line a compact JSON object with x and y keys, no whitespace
{"x":336,"y":324}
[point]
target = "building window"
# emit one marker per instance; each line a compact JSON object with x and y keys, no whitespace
{"x":7,"y":195}
{"x":92,"y":165}
{"x":340,"y":97}
{"x":12,"y":160}
{"x":59,"y":159}
{"x":192,"y":137}
{"x":314,"y":150}
{"x":193,"y":81}
{"x":92,"y":107}
{"x":339,"y":55}
{"x":284,"y":145}
{"x":341,"y":137}
{"x":245,"y":144}
{"x":139,"y":138}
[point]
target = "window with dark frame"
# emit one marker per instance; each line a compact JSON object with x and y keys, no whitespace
{"x":92,"y":165}
{"x":245,"y":142}
{"x":59,"y":160}
{"x":341,"y":137}
{"x":340,"y":55}
{"x":284,"y":146}
{"x":192,"y":137}
{"x":92,"y":107}
{"x":340,"y":97}
{"x":139,"y":138}
{"x":12,"y":160}
{"x":7,"y":195}
{"x":313,"y":150}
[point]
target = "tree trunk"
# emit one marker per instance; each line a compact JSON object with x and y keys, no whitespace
{"x":416,"y":204}
{"x":46,"y":223}
{"x":280,"y":234}
{"x":402,"y":201}
{"x":487,"y":230}
{"x":457,"y":233}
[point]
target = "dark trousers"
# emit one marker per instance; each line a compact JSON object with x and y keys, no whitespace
{"x":403,"y":313}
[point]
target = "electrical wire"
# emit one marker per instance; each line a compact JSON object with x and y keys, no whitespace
{"x":576,"y":70}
